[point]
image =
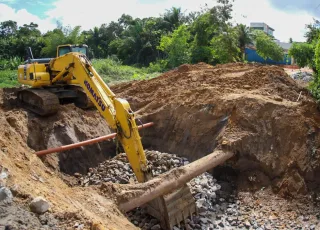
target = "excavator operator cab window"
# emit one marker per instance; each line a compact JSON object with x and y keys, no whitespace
{"x":78,"y":49}
{"x":67,"y":49}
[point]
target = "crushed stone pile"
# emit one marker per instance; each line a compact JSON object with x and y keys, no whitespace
{"x":302,"y":76}
{"x":219,"y":207}
{"x":118,"y":170}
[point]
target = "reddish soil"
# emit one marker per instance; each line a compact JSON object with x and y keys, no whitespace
{"x":252,"y":108}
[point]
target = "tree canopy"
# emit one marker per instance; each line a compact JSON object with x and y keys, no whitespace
{"x":267,"y":48}
{"x":303,"y":54}
{"x":172,"y":38}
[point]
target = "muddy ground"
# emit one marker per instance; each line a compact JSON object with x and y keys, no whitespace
{"x":255,"y":110}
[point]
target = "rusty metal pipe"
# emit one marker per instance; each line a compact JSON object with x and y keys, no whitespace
{"x":84,"y":143}
{"x":174,"y":179}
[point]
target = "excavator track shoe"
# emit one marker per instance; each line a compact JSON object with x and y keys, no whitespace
{"x":39,"y":101}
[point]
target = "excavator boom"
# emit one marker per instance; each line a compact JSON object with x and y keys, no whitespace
{"x":116,"y":111}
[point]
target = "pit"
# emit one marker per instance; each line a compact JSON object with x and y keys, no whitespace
{"x":251,"y":109}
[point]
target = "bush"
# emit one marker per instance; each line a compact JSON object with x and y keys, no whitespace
{"x":8,"y":78}
{"x":111,"y":70}
{"x":303,"y":53}
{"x":158,"y":66}
{"x":10,"y":64}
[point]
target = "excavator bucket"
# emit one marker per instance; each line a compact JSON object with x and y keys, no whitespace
{"x":173,"y":208}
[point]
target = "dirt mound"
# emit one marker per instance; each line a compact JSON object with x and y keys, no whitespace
{"x":252,"y":108}
{"x":27,"y":176}
{"x":69,"y":125}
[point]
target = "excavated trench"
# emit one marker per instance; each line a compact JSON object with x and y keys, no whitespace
{"x":275,"y":138}
{"x":252,"y":110}
{"x":168,"y":135}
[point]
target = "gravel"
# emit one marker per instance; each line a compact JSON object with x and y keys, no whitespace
{"x":217,"y":208}
{"x":302,"y":76}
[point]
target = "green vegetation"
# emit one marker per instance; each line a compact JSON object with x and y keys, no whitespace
{"x":303,"y":54}
{"x":8,"y":78}
{"x":308,"y":55}
{"x":112,"y":71}
{"x":267,"y":48}
{"x":10,"y":64}
{"x":176,"y":47}
{"x":245,"y":37}
{"x":8,"y":72}
{"x":165,"y":41}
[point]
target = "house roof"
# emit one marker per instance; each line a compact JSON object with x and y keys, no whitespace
{"x":284,"y":45}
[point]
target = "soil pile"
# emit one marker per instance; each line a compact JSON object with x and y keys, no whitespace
{"x":255,"y":109}
{"x":69,"y":125}
{"x":28,"y":177}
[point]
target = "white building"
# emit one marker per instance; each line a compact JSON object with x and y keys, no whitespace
{"x":262,"y":26}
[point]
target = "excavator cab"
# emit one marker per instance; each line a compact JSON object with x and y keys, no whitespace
{"x":64,"y":49}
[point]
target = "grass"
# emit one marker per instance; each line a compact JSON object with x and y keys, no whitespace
{"x":8,"y":78}
{"x":113,"y":71}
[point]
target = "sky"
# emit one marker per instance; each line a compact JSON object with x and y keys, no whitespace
{"x":287,"y":17}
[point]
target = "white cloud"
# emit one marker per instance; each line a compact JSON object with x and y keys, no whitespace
{"x":286,"y":24}
{"x":96,"y":12}
{"x":24,"y":17}
{"x":92,"y":13}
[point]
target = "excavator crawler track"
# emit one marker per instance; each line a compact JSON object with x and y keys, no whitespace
{"x":39,"y":101}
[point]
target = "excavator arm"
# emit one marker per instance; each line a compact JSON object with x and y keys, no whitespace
{"x":116,"y":111}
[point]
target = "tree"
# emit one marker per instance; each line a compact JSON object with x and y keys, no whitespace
{"x":212,"y":22}
{"x":60,"y":36}
{"x":315,"y":84}
{"x":225,"y":48}
{"x":303,"y":53}
{"x":313,"y":31}
{"x":267,"y":48}
{"x":244,"y":38}
{"x":137,"y":43}
{"x":135,"y":40}
{"x":173,"y":18}
{"x":8,"y":28}
{"x":28,"y":36}
{"x":176,"y":46}
{"x":290,"y":40}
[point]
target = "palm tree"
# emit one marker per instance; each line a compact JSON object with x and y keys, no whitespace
{"x":244,"y":38}
{"x":173,"y":18}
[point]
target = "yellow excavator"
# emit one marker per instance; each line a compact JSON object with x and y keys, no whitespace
{"x":71,"y":78}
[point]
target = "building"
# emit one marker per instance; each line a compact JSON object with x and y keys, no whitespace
{"x":262,"y":26}
{"x":252,"y":55}
{"x":284,"y":45}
